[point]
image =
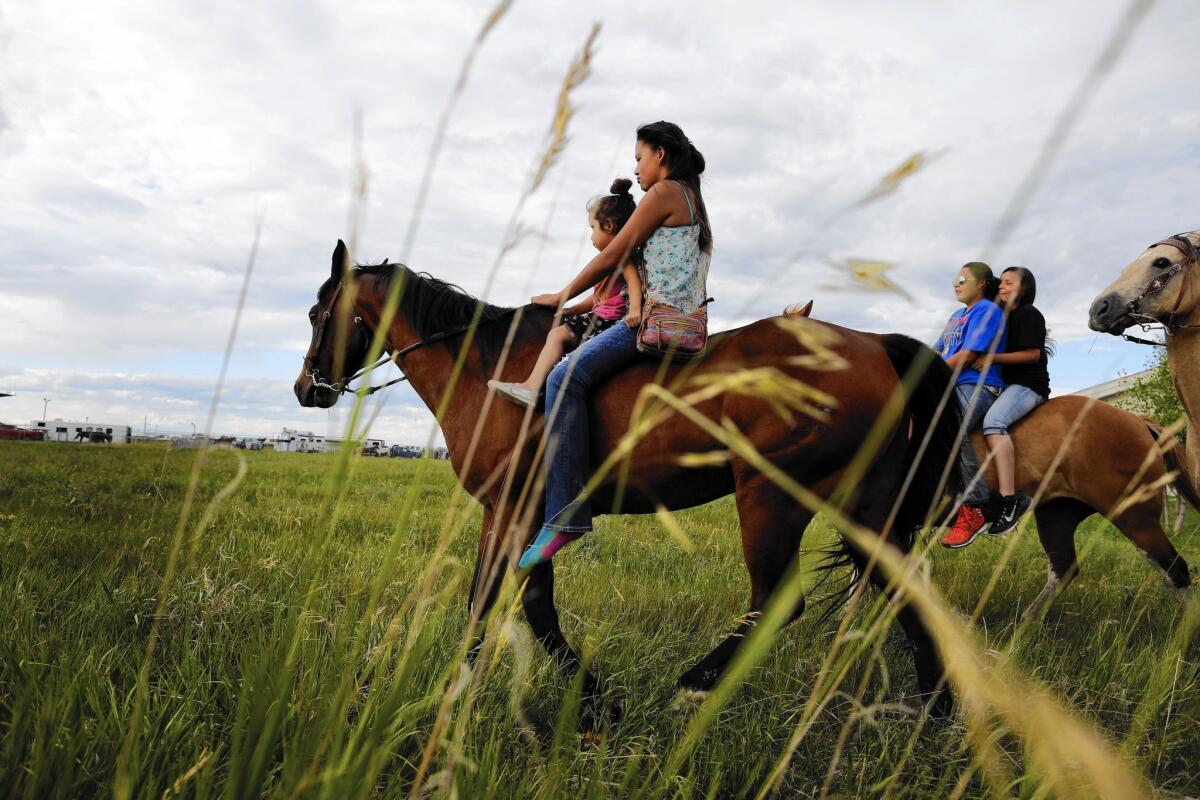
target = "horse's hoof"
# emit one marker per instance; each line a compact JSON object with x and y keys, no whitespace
{"x":941,"y":707}
{"x":593,"y":740}
{"x":598,"y":717}
{"x":689,"y":697}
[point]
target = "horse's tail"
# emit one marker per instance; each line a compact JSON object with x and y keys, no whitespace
{"x":935,"y":418}
{"x":1176,"y":458}
{"x":931,"y":430}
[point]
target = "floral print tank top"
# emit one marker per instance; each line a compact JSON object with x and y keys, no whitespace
{"x":676,"y":269}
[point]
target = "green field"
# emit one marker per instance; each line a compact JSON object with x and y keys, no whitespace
{"x":277,"y":674}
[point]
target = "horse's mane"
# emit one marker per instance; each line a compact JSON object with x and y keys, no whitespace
{"x":431,"y":306}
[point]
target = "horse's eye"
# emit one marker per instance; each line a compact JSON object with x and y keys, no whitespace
{"x":1162,"y":262}
{"x":312,"y":317}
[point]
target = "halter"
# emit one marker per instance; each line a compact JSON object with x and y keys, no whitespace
{"x":342,"y":386}
{"x":1190,"y":255}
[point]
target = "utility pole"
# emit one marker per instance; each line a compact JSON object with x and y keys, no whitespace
{"x":45,"y":402}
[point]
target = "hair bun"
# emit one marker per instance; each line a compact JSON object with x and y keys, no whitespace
{"x":620,"y":186}
{"x":697,"y":159}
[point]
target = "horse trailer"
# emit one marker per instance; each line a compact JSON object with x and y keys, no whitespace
{"x":58,"y":430}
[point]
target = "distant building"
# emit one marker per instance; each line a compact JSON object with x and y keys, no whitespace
{"x":1112,"y":391}
{"x":58,"y":430}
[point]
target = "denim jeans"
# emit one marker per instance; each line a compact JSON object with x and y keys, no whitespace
{"x":974,"y":400}
{"x":568,"y":432}
{"x":1013,"y":404}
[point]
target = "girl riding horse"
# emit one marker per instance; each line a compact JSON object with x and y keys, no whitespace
{"x":671,"y":226}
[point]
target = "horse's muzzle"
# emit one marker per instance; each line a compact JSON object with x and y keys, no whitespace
{"x":311,"y":396}
{"x":1109,"y":314}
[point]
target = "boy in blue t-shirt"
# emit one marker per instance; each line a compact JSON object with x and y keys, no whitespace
{"x":973,"y":332}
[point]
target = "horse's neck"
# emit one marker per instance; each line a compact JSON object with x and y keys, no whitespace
{"x":1183,"y":359}
{"x":430,"y":372}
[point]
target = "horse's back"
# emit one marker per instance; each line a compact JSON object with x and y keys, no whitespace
{"x":793,"y":388}
{"x":1088,"y":443}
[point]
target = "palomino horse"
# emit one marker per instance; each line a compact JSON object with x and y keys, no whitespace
{"x":677,"y":464}
{"x":1160,"y":287}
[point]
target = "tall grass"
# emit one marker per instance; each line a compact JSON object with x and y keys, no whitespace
{"x":85,"y":531}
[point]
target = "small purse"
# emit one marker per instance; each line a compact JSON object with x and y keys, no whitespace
{"x":673,"y":334}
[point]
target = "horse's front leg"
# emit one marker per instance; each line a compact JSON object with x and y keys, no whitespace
{"x":537,"y":599}
{"x":491,"y":559}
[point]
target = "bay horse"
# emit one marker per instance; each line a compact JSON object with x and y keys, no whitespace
{"x":677,"y":464}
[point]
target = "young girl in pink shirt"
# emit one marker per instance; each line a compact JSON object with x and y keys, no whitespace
{"x":616,"y":298}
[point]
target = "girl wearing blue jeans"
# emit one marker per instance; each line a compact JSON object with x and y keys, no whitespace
{"x":671,"y":226}
{"x":1028,"y":386}
{"x":972,"y":334}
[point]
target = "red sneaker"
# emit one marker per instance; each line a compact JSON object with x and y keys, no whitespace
{"x":966,"y":527}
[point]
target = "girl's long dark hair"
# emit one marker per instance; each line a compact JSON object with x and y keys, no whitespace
{"x":983,"y":274}
{"x":684,"y":164}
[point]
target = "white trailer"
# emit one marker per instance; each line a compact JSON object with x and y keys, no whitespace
{"x":291,"y":440}
{"x":58,"y":430}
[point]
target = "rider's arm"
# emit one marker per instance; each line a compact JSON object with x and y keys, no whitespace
{"x":1029,"y":356}
{"x":582,"y":307}
{"x":633,"y":285}
{"x":651,"y":212}
{"x":964,"y":358}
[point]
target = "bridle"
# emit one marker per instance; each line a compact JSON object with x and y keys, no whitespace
{"x":1190,"y":255}
{"x":342,"y":386}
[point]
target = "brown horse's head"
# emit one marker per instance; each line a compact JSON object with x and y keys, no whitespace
{"x":1157,"y":286}
{"x":339,"y":340}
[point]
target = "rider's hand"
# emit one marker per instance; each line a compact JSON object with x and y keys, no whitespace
{"x":548,"y":300}
{"x":633,"y":318}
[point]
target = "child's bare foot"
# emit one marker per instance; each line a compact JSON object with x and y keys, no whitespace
{"x":516,"y":392}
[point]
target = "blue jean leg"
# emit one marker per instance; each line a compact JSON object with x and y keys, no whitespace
{"x":974,"y":400}
{"x":1013,"y":404}
{"x":568,"y":432}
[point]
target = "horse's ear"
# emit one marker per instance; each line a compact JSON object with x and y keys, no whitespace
{"x":339,"y":260}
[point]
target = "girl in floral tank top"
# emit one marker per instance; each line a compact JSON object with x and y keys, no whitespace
{"x":671,"y":225}
{"x":676,"y":266}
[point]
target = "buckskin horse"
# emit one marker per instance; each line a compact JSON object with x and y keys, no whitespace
{"x":816,"y":449}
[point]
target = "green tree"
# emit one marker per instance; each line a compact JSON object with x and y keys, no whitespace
{"x":1153,"y":394}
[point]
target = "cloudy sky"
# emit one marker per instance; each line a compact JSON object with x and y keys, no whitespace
{"x":139,"y":142}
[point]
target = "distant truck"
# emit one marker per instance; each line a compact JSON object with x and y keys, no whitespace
{"x":374,"y":447}
{"x":13,"y":432}
{"x":405,"y":451}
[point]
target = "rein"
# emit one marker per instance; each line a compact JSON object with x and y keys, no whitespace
{"x":1146,"y":321}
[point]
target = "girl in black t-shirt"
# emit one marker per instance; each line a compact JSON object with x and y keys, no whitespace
{"x":1028,"y":386}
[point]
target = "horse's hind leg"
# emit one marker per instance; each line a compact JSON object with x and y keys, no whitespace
{"x":1056,"y":524}
{"x":1141,"y":524}
{"x":772,"y":525}
{"x":873,"y":513}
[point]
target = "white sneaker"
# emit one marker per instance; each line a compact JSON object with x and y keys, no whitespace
{"x":515,"y":392}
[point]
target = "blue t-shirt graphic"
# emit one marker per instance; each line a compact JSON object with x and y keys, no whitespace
{"x":975,"y":328}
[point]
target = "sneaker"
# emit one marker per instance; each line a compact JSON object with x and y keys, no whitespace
{"x":515,"y":392}
{"x":966,"y":527}
{"x":992,"y":507}
{"x":1011,"y":511}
